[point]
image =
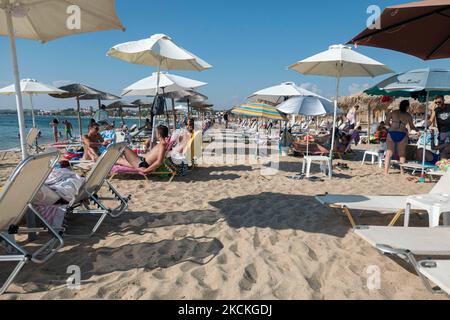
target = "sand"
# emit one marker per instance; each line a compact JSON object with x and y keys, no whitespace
{"x":228,"y":232}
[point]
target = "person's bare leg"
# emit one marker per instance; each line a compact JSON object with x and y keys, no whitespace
{"x":91,"y":154}
{"x":387,"y":162}
{"x":389,"y":154}
{"x":130,"y":159}
{"x":401,"y":150}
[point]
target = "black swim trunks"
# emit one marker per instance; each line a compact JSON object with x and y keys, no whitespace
{"x":143,"y":164}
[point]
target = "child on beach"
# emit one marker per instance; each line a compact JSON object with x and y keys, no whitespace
{"x":381,"y":133}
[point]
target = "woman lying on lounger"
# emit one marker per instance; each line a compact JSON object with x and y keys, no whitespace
{"x":152,"y":160}
{"x":321,"y":146}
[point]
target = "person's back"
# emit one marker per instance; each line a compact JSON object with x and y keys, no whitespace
{"x":400,"y":121}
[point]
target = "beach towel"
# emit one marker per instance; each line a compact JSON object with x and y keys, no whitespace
{"x":109,"y":135}
{"x":117,"y":169}
{"x":53,"y":214}
{"x":65,"y":183}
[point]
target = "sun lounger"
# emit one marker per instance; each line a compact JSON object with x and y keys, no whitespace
{"x":166,"y":169}
{"x":408,"y":243}
{"x":96,"y":179}
{"x":31,"y":144}
{"x":415,"y":167}
{"x":382,"y":204}
{"x":192,"y":153}
{"x":15,"y":202}
{"x":437,"y":272}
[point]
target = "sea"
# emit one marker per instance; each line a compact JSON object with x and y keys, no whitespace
{"x":9,"y":128}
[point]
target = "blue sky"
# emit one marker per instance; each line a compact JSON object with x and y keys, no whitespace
{"x":249,"y":42}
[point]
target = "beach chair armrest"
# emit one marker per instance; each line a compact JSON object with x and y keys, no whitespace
{"x":390,"y":250}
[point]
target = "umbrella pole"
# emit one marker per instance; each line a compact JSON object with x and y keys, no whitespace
{"x":32,"y":111}
{"x":79,"y":118}
{"x":424,"y":159}
{"x":121,"y":116}
{"x":174,"y":115}
{"x":158,"y":78}
{"x":19,"y":101}
{"x":140,"y":118}
{"x":307,"y":141}
{"x":368,"y":121}
{"x":338,"y":82}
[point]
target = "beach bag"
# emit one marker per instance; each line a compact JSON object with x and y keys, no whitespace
{"x":159,"y":106}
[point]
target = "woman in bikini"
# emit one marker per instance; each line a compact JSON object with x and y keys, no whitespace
{"x":398,"y":138}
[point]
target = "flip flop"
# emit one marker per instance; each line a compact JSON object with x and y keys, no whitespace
{"x":299,"y":176}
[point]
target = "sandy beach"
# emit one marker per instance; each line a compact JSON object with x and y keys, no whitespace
{"x":229,"y":232}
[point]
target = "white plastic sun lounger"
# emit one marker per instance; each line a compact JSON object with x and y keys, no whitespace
{"x":382,"y":204}
{"x":437,"y":272}
{"x":95,"y":180}
{"x":407,"y":243}
{"x":31,"y":140}
{"x":15,"y":201}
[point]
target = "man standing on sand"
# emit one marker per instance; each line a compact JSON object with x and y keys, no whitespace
{"x":441,"y":116}
{"x":226,"y":119}
{"x":152,"y":160}
{"x":68,"y":129}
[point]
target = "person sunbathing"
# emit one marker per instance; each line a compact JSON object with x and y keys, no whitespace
{"x":185,"y":137}
{"x":152,"y":160}
{"x":319,"y":147}
{"x":92,"y":142}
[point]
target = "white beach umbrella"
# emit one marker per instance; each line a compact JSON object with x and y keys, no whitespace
{"x":278,"y":94}
{"x":340,"y":61}
{"x":310,"y":106}
{"x":48,"y":20}
{"x":167,"y":83}
{"x":158,"y":51}
{"x":31,"y":87}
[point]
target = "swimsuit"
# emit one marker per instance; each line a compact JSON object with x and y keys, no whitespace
{"x":397,"y":136}
{"x":143,"y":163}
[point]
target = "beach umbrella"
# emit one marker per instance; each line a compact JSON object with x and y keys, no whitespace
{"x":140,"y":104}
{"x":48,"y":20}
{"x":310,"y":106}
{"x":161,"y":52}
{"x":421,"y":83}
{"x":338,"y":62}
{"x":259,"y":110}
{"x":120,"y":105}
{"x":103,"y":96}
{"x":31,"y":87}
{"x":189,"y":97}
{"x":78,"y":91}
{"x":278,"y":94}
{"x":421,"y":29}
{"x":167,"y":83}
